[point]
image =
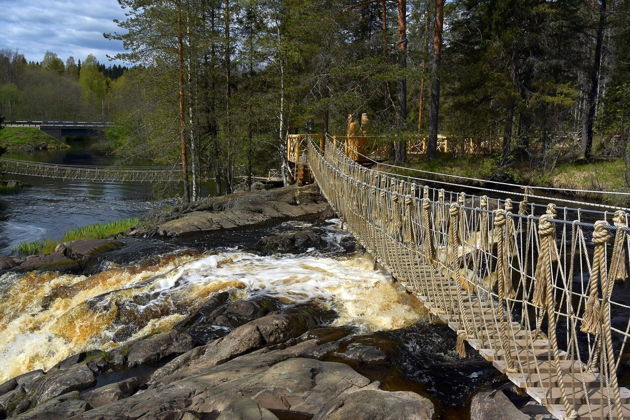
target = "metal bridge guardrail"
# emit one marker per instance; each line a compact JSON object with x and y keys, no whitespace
{"x":59,"y":124}
{"x":537,"y":292}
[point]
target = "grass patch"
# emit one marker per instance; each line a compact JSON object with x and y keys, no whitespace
{"x":99,"y":231}
{"x":36,"y":247}
{"x":606,"y":175}
{"x":20,"y":139}
{"x":5,"y":190}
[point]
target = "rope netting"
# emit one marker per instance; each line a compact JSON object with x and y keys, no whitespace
{"x":88,"y":173}
{"x":541,"y":292}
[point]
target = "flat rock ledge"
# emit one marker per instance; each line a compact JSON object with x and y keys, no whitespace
{"x":237,"y":210}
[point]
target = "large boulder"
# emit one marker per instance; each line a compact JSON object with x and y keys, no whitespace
{"x":55,"y":261}
{"x":271,"y":329}
{"x":59,"y":382}
{"x":218,"y":316}
{"x":83,"y":248}
{"x":294,"y":242}
{"x":155,"y":348}
{"x":375,"y":404}
{"x":7,"y":262}
{"x":246,"y":409}
{"x":61,"y":407}
{"x":112,"y":392}
{"x":494,"y":405}
{"x":240,"y":209}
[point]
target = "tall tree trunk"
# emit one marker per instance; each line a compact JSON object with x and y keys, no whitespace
{"x":401,"y":146}
{"x":282,"y":149}
{"x":591,"y":98}
{"x":182,"y":103}
{"x":435,"y":84}
{"x":191,"y":98}
{"x":250,"y":119}
{"x":424,"y":65}
{"x":218,"y":165}
{"x":507,"y":136}
{"x":228,"y":94}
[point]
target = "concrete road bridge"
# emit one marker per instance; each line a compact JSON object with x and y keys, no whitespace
{"x":539,"y":290}
{"x":59,"y":129}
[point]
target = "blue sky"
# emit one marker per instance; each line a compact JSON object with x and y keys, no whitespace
{"x":67,"y":27}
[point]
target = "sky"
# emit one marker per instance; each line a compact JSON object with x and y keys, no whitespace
{"x":66,"y":27}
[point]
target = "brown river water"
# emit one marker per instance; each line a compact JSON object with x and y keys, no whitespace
{"x":46,"y":317}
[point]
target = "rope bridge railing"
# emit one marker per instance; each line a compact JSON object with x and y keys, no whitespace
{"x":536,"y":290}
{"x":109,"y":174}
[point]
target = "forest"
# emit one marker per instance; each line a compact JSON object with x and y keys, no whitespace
{"x":217,"y":85}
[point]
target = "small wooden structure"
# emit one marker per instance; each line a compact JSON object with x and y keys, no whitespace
{"x":296,"y":149}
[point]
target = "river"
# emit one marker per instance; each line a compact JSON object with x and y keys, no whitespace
{"x":47,"y":208}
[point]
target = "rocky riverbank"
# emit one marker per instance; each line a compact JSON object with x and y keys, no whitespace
{"x":292,"y":325}
{"x":236,"y":210}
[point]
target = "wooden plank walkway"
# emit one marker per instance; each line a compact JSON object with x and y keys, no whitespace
{"x":504,"y":282}
{"x":584,"y":388}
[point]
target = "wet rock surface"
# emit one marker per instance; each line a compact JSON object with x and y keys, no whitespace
{"x":83,"y":248}
{"x":237,"y":210}
{"x":264,"y":360}
{"x":300,"y":237}
{"x":261,"y":367}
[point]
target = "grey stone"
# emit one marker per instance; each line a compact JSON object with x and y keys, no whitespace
{"x":112,"y":392}
{"x":363,"y":353}
{"x":241,"y":209}
{"x":27,"y":380}
{"x":291,"y":242}
{"x":61,"y":407}
{"x":10,"y":400}
{"x":54,"y":261}
{"x":86,"y":247}
{"x":494,"y":405}
{"x":6,"y":262}
{"x":155,"y":348}
{"x":60,"y":382}
{"x":9,"y":385}
{"x":246,"y":409}
{"x":268,"y":330}
{"x":375,"y":404}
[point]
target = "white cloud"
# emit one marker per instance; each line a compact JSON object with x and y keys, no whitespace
{"x":67,"y":27}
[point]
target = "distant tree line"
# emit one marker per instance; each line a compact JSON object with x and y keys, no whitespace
{"x":54,"y":90}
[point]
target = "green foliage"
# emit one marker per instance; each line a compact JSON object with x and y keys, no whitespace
{"x":94,"y":83}
{"x":35,"y":247}
{"x":50,"y":89}
{"x":28,"y":138}
{"x":6,"y":190}
{"x":53,"y":63}
{"x":99,"y":231}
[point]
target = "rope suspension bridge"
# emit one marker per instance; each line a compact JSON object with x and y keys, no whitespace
{"x":110,"y":174}
{"x":536,"y":289}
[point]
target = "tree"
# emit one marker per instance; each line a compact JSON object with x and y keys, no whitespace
{"x":401,"y":146}
{"x":9,"y":99}
{"x":72,"y":69}
{"x":435,"y":74}
{"x":593,"y":88}
{"x":53,"y":63}
{"x":94,"y":84}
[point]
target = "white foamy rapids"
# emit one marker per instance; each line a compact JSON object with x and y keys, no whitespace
{"x":360,"y":295}
{"x":46,"y":317}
